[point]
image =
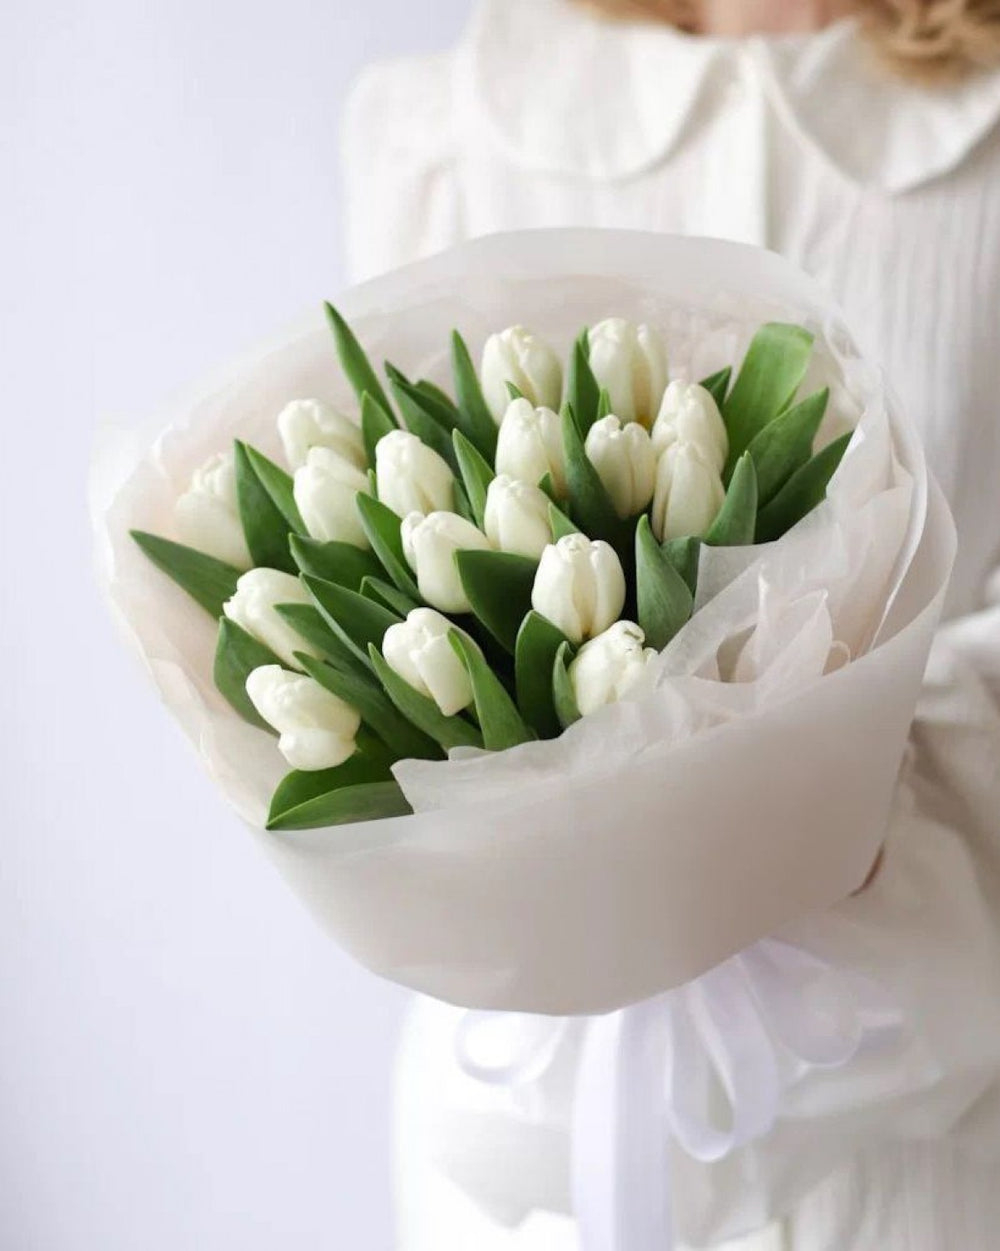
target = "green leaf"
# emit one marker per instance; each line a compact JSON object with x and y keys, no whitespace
{"x":377,"y":711}
{"x":582,"y":392}
{"x":736,"y":521}
{"x":237,"y":654}
{"x":208,"y":581}
{"x":785,"y":444}
{"x":384,"y":531}
{"x":301,"y":805}
{"x":307,"y":621}
{"x":264,"y":524}
{"x":684,"y":555}
{"x":376,"y":423}
{"x":665,"y":601}
{"x":477,"y":420}
{"x":603,"y":404}
{"x":718,"y":384}
{"x":388,"y":596}
{"x":354,"y":362}
{"x":355,"y":620}
{"x":560,"y":524}
{"x":772,"y":370}
{"x":498,"y":717}
{"x":301,"y":787}
{"x":802,"y":492}
{"x":342,"y":563}
{"x":538,"y":641}
{"x":440,"y":399}
{"x":476,"y":474}
{"x":423,"y":712}
{"x":514,"y":392}
{"x":462,"y":505}
{"x":279,"y":487}
{"x":563,"y":697}
{"x":498,"y":586}
{"x":590,"y":505}
{"x":423,"y":416}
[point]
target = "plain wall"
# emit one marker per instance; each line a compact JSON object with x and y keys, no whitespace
{"x":185,"y":1062}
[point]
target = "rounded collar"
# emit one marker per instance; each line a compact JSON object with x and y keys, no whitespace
{"x":566,"y":93}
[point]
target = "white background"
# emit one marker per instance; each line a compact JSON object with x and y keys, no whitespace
{"x":185,"y":1062}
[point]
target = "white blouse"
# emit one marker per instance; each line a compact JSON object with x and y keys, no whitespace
{"x":890,"y":195}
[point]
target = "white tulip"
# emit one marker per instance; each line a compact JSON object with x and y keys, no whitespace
{"x":208,"y":515}
{"x":689,"y":414}
{"x":518,"y":356}
{"x":630,"y":363}
{"x":530,"y":445}
{"x":316,"y":728}
{"x":303,"y":424}
{"x":516,"y":517}
{"x":430,"y":544}
{"x":689,"y":493}
{"x":326,"y":488}
{"x":606,"y":668}
{"x":252,"y":607}
{"x":412,"y":477}
{"x":418,"y":650}
{"x":625,"y":461}
{"x":579,"y":586}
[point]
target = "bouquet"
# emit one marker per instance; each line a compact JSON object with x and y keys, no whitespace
{"x":557,"y":681}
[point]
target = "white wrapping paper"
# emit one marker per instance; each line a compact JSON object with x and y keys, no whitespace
{"x":666,"y":833}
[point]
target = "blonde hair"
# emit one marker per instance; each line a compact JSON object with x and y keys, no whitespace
{"x":927,"y":40}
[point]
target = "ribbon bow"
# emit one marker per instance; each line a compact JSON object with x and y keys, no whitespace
{"x":736,"y":1038}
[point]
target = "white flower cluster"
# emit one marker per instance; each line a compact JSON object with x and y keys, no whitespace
{"x":662,"y":448}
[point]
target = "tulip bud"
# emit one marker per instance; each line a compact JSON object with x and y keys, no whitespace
{"x":518,"y":356}
{"x":412,"y":477}
{"x":530,"y":445}
{"x":208,"y":515}
{"x":579,"y":586}
{"x":325,"y":490}
{"x":689,"y":414}
{"x":607,"y":667}
{"x":430,"y":544}
{"x":418,"y":650}
{"x":517,"y":517}
{"x":625,"y":461}
{"x":311,"y":423}
{"x":316,"y":728}
{"x":252,"y":607}
{"x":630,"y":363}
{"x":689,"y":493}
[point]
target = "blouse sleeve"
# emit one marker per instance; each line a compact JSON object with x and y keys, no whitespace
{"x":398,"y":151}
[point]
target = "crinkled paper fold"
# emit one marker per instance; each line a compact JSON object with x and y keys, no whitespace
{"x":748,"y":783}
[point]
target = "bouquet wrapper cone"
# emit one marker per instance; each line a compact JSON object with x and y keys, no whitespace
{"x":581,"y":876}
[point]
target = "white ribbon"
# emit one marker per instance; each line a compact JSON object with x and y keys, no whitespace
{"x":657,"y":1072}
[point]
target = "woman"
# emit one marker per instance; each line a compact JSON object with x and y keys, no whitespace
{"x":866,"y":147}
